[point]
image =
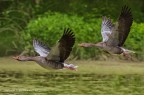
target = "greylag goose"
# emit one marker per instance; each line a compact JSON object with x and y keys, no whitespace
{"x":114,"y":35}
{"x":53,"y":58}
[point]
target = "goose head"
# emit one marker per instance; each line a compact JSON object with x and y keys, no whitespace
{"x":22,"y":58}
{"x":86,"y":45}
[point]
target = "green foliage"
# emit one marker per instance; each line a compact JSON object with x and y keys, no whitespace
{"x":49,"y":28}
{"x":135,"y":40}
{"x":82,"y":16}
{"x":92,"y":8}
{"x":91,"y":78}
{"x":13,"y":19}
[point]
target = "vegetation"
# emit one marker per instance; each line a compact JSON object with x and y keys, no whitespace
{"x":92,"y":77}
{"x":49,"y":29}
{"x":22,"y":20}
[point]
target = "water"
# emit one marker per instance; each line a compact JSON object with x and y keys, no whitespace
{"x":54,"y":83}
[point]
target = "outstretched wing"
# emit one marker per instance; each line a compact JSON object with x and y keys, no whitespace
{"x":40,"y":48}
{"x":121,"y":28}
{"x":62,"y":49}
{"x":66,"y":43}
{"x":106,"y":28}
{"x":124,"y":21}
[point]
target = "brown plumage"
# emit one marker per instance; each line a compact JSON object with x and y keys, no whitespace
{"x":54,"y":57}
{"x":114,"y":35}
{"x":125,"y":21}
{"x":66,"y":43}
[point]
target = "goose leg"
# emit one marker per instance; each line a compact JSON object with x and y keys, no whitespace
{"x":127,"y":55}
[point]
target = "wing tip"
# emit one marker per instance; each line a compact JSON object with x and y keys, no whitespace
{"x":107,"y":22}
{"x":126,"y":10}
{"x":126,"y":13}
{"x":35,"y":41}
{"x":69,"y":32}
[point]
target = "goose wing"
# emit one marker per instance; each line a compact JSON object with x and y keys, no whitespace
{"x":125,"y":21}
{"x":121,"y":28}
{"x":62,"y":49}
{"x":40,"y":48}
{"x":106,"y":28}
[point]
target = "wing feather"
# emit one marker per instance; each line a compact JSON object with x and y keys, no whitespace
{"x":66,"y":43}
{"x":41,"y":48}
{"x":121,"y":28}
{"x":125,"y":21}
{"x":62,"y":49}
{"x":106,"y":28}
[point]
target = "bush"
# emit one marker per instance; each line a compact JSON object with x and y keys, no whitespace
{"x":12,"y":22}
{"x":49,"y":28}
{"x":135,"y":40}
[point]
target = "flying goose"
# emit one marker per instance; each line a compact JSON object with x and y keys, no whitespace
{"x":114,"y":35}
{"x":53,"y":58}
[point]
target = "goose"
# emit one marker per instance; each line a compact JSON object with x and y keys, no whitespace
{"x":114,"y":35}
{"x":53,"y":58}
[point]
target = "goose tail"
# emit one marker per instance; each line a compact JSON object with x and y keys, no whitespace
{"x":70,"y":66}
{"x":127,"y":51}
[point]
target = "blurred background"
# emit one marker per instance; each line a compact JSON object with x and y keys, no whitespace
{"x":23,"y":20}
{"x":99,"y":73}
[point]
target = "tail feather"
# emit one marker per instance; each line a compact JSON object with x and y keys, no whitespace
{"x":126,"y":50}
{"x":130,"y":51}
{"x":70,"y":66}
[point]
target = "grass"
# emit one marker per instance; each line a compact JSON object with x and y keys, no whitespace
{"x":92,"y":78}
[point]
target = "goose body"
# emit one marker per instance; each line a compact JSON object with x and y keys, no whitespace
{"x":114,"y":35}
{"x":53,"y":58}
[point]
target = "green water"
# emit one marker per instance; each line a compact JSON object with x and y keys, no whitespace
{"x":53,"y":83}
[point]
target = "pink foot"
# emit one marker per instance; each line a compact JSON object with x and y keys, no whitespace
{"x":127,"y":55}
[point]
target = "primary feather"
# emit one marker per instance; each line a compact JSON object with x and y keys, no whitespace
{"x":125,"y":21}
{"x":106,"y":28}
{"x":41,"y":48}
{"x":62,"y":49}
{"x":121,"y":28}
